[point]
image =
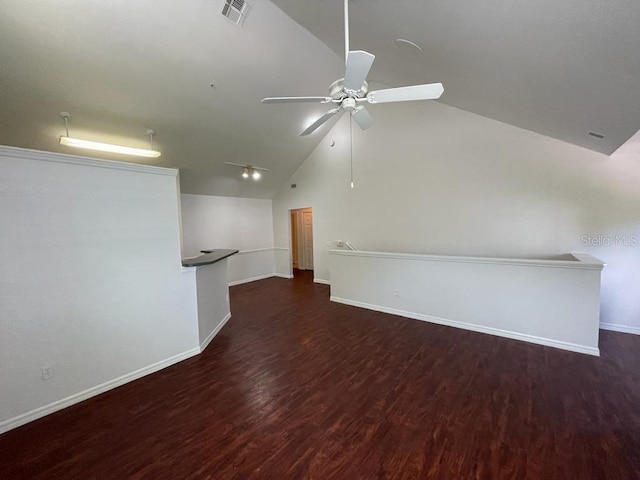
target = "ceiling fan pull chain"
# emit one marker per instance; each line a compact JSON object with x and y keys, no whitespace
{"x":351,"y":144}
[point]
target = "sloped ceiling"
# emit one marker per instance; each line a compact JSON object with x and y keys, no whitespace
{"x":562,"y":69}
{"x":121,"y":66}
{"x":559,"y":68}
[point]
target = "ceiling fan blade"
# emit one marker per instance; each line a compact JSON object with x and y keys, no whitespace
{"x":358,"y":66}
{"x":405,"y":94}
{"x":297,"y":100}
{"x":362,"y":118}
{"x":315,"y":125}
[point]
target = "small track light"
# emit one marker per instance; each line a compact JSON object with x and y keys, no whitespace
{"x":249,"y":170}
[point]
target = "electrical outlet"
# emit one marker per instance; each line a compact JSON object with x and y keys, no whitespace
{"x":47,"y":372}
{"x":339,"y":243}
{"x":397,"y":293}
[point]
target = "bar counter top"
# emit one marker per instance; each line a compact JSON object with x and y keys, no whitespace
{"x":208,"y":257}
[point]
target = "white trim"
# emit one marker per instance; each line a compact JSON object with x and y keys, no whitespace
{"x":214,"y":332}
{"x":322,"y":281}
{"x":93,"y":391}
{"x":39,"y":155}
{"x":620,"y":328}
{"x":256,"y":250}
{"x":476,"y":328}
{"x":252,"y":279}
{"x":284,"y":249}
{"x":582,"y":261}
{"x":283,"y":275}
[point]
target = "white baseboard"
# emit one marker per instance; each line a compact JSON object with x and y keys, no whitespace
{"x":476,"y":328}
{"x":214,"y":332}
{"x":283,"y":275}
{"x":93,"y":391}
{"x":252,"y":279}
{"x":259,"y":277}
{"x":620,"y":328}
{"x":321,"y":281}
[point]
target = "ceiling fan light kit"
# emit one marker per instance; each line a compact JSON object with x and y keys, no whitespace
{"x":106,"y":147}
{"x":346,"y":93}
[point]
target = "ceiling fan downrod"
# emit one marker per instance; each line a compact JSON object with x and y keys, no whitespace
{"x":346,"y":31}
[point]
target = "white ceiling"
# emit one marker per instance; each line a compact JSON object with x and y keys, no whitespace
{"x":562,"y":69}
{"x":121,"y":66}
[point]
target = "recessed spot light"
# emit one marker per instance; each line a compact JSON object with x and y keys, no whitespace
{"x":408,"y":46}
{"x":596,"y":135}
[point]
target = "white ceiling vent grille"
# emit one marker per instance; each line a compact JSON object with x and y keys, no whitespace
{"x":235,"y":11}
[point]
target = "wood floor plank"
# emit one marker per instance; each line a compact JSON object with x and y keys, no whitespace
{"x":297,"y":387}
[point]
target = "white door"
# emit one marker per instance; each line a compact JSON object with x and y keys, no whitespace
{"x":295,"y":257}
{"x":307,"y":234}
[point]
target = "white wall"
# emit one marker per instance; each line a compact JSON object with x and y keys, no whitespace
{"x":434,"y":179}
{"x":553,"y":302}
{"x":244,"y":224}
{"x":90,"y":279}
{"x":214,"y":309}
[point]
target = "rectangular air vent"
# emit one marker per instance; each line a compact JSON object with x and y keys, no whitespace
{"x":235,"y":11}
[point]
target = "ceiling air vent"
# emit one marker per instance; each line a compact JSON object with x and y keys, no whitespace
{"x":235,"y":11}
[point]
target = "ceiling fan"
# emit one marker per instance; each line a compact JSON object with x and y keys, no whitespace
{"x":346,"y":93}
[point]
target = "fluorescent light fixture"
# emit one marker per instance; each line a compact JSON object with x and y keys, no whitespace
{"x":107,"y":147}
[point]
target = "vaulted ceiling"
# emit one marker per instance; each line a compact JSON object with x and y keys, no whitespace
{"x":562,"y":69}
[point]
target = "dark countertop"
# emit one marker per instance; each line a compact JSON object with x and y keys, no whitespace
{"x":209,"y":257}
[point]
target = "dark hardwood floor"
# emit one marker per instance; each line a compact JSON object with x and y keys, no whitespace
{"x":296,"y":387}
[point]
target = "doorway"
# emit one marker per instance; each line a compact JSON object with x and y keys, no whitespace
{"x":302,"y":238}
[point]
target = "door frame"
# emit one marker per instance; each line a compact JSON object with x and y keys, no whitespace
{"x":313,"y":253}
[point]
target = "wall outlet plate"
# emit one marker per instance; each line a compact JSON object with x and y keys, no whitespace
{"x":47,"y":372}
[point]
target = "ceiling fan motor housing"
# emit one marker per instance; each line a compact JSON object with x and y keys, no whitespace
{"x":338,"y":92}
{"x":349,"y":103}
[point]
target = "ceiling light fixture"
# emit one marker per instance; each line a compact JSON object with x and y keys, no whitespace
{"x":249,"y":170}
{"x":106,"y":147}
{"x":408,"y":46}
